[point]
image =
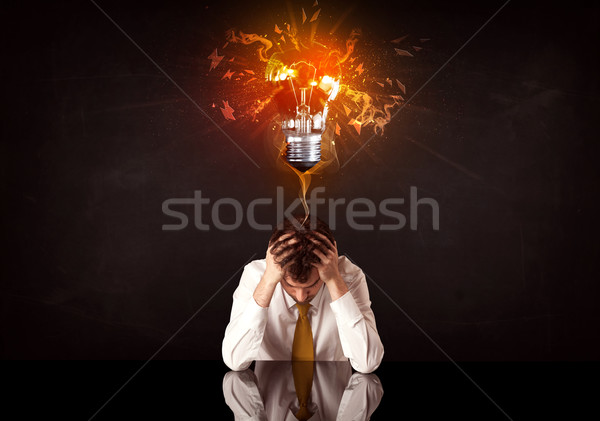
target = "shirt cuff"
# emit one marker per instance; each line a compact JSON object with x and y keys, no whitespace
{"x":346,"y":310}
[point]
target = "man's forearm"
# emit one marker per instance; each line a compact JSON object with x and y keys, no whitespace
{"x":264,"y":290}
{"x":337,"y":288}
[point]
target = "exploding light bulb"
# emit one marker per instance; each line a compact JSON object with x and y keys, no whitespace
{"x":304,"y":88}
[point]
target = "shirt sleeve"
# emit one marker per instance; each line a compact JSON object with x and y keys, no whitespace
{"x":243,"y":397}
{"x":246,"y":328}
{"x":361,"y":397}
{"x":356,"y":326}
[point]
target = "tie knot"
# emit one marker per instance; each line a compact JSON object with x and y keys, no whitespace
{"x":303,"y":308}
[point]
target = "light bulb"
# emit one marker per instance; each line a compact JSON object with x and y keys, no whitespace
{"x":303,"y":92}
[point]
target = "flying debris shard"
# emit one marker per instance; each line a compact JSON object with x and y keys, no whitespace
{"x":228,"y":75}
{"x":360,"y":69}
{"x":401,"y":86}
{"x":315,"y":16}
{"x":403,"y":52}
{"x":356,"y":125}
{"x":227,"y":111}
{"x":398,"y":40}
{"x":303,"y":15}
{"x":215,"y":59}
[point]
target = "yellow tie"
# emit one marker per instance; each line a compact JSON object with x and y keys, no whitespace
{"x":303,"y":378}
{"x":302,"y":348}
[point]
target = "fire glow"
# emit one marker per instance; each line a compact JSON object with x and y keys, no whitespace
{"x":311,"y":92}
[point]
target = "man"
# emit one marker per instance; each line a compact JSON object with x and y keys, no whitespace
{"x":302,"y":302}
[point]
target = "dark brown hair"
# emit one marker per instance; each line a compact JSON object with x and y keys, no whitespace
{"x":298,"y":264}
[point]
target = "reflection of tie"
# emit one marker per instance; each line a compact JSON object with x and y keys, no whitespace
{"x":302,"y":348}
{"x":303,"y":377}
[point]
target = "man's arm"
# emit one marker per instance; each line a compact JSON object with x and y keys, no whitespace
{"x":265,"y":288}
{"x":246,"y":328}
{"x":356,"y":326}
{"x":352,"y":308}
{"x":241,"y":394}
{"x":361,"y":397}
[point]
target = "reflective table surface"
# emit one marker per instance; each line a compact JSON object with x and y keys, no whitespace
{"x":208,"y":390}
{"x":277,"y":390}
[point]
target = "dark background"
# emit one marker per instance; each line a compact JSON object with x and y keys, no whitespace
{"x":95,"y":138}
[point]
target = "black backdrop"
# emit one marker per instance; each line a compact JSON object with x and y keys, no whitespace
{"x":95,"y":138}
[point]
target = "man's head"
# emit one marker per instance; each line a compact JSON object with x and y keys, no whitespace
{"x":300,"y":279}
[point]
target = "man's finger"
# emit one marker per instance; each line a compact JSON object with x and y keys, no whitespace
{"x":283,"y":242}
{"x":326,"y":240}
{"x":283,"y":237}
{"x":320,"y":254}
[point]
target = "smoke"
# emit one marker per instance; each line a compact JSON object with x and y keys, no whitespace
{"x":250,"y":39}
{"x":370,"y":111}
{"x":350,"y":43}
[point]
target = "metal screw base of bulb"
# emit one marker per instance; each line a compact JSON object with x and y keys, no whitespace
{"x":303,"y":151}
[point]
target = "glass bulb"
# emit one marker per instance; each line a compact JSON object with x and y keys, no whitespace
{"x":302,"y":95}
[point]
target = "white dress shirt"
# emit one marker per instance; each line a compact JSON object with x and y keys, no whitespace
{"x":342,"y":329}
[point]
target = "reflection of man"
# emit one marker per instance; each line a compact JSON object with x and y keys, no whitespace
{"x":268,"y":393}
{"x":302,"y":303}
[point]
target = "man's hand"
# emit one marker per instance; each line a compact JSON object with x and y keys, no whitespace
{"x":328,"y":266}
{"x":273,"y":273}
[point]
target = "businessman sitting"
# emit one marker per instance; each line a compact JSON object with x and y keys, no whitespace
{"x":302,"y":302}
